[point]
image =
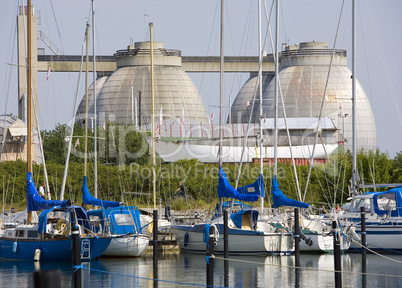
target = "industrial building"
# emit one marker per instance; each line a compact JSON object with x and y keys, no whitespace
{"x":123,"y":95}
{"x":303,"y":76}
{"x":13,"y":140}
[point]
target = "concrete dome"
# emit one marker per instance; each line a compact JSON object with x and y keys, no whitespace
{"x":241,"y":107}
{"x":81,"y":108}
{"x":303,"y":75}
{"x":174,"y":90}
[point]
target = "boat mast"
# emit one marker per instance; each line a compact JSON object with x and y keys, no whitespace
{"x":260,"y":85}
{"x":153,"y":113}
{"x":354,"y":165}
{"x":63,"y":184}
{"x":94,"y":97}
{"x":29,"y":113}
{"x":132,"y":106}
{"x":86,"y":101}
{"x":276,"y":91}
{"x":221,"y":100}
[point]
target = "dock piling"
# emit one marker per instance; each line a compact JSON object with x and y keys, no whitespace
{"x":76,"y":251}
{"x":337,"y":255}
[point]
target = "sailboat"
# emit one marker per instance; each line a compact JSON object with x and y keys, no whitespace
{"x":315,"y":231}
{"x":383,"y":212}
{"x":119,"y":222}
{"x":246,"y":234}
{"x":51,"y":238}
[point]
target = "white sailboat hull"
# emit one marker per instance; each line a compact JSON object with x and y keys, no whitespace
{"x":322,"y":243}
{"x":383,"y":236}
{"x":190,"y":238}
{"x":127,"y":246}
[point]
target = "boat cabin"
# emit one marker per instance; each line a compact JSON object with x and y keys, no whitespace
{"x":384,"y":204}
{"x":23,"y":232}
{"x":116,"y":220}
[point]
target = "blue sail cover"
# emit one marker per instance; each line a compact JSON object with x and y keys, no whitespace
{"x":88,"y":199}
{"x":35,"y":202}
{"x":280,"y":199}
{"x":256,"y":188}
{"x":249,"y":193}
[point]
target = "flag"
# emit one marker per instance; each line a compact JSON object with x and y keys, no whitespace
{"x":159,"y":125}
{"x":77,"y":143}
{"x":182,"y":117}
{"x":264,"y":117}
{"x":340,"y":109}
{"x":48,"y":73}
{"x":212,"y":117}
{"x":104,"y":125}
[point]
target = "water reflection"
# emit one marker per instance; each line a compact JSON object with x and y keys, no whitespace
{"x":183,"y":269}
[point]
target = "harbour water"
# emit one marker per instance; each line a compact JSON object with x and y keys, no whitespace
{"x":188,"y":270}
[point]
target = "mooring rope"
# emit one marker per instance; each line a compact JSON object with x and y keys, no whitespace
{"x":311,"y":269}
{"x":152,"y":279}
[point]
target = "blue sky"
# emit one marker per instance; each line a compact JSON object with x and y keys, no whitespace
{"x":193,"y":27}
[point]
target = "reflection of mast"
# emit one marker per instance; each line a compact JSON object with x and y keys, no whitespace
{"x":153,"y":113}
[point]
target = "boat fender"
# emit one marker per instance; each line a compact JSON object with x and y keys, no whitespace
{"x":150,"y":228}
{"x":215,"y":233}
{"x":15,"y":246}
{"x":37,"y":255}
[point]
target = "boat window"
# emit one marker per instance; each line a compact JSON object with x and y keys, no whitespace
{"x":123,"y":219}
{"x":94,"y":218}
{"x":19,"y":233}
{"x":386,"y":202}
{"x":360,"y":202}
{"x":56,"y":214}
{"x":32,"y":234}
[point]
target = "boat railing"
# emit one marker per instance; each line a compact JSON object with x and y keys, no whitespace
{"x":312,"y":52}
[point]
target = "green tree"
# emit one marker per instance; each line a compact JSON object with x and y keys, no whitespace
{"x":396,"y":174}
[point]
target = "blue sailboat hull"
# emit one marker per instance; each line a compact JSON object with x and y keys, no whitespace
{"x":50,"y":249}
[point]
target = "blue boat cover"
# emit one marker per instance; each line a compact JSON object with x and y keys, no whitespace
{"x":391,"y":202}
{"x":237,"y":217}
{"x":123,"y":219}
{"x":88,"y":199}
{"x":280,"y":199}
{"x":249,"y":193}
{"x":35,"y":202}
